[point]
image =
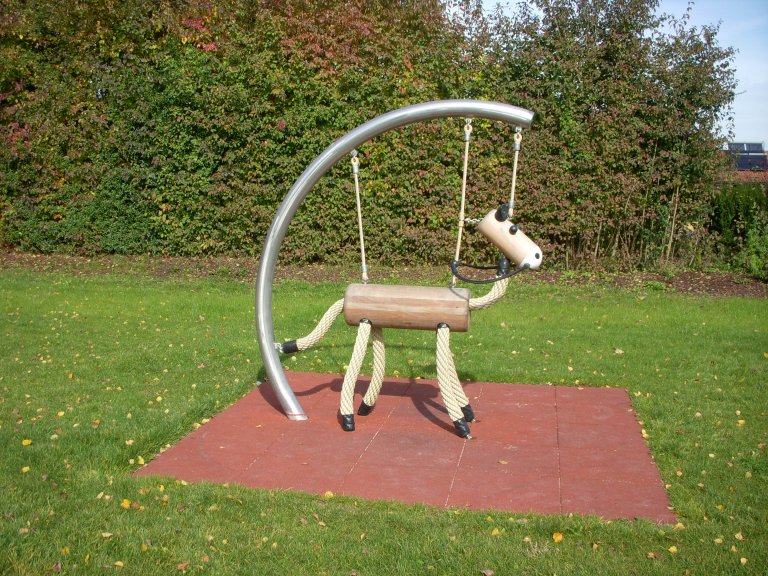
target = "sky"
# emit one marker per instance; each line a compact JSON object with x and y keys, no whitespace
{"x":744,"y":27}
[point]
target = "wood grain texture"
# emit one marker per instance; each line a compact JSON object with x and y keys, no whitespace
{"x":411,"y":307}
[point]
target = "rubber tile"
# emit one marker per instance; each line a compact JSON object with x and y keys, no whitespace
{"x":605,"y":496}
{"x":416,"y":484}
{"x":521,"y":494}
{"x":412,"y":448}
{"x":540,"y":449}
{"x":517,"y":424}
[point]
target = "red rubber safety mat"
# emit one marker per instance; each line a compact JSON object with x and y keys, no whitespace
{"x":541,"y":449}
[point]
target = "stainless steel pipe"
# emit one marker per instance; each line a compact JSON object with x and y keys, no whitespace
{"x":336,"y":151}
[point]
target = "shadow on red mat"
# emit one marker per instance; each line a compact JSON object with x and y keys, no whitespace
{"x":541,"y":449}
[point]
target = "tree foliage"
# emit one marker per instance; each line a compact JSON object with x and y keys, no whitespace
{"x":145,"y":127}
{"x":629,"y":106}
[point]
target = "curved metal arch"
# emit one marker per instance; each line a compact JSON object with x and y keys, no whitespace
{"x":513,"y":115}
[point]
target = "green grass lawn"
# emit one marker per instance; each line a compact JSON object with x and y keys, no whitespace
{"x":98,"y":373}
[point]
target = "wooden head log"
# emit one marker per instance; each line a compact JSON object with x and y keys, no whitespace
{"x":412,"y":307}
{"x":512,"y":241}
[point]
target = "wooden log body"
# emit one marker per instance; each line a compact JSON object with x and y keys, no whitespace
{"x":412,"y":307}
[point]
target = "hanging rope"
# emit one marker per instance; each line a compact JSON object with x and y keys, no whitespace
{"x":506,"y":215}
{"x":518,"y":140}
{"x":467,"y":138}
{"x":355,"y":171}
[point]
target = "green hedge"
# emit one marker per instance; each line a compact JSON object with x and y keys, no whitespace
{"x":740,"y":218}
{"x":177,"y":128}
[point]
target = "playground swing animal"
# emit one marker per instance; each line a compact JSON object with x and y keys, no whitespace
{"x":373,"y":307}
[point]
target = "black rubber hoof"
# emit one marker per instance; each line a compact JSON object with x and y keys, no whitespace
{"x":348,"y":422}
{"x":469,"y":414}
{"x":462,"y":428}
{"x":364,"y":409}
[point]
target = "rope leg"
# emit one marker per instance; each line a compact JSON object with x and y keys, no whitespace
{"x":350,"y":378}
{"x":456,"y":402}
{"x":458,"y":392}
{"x":453,"y":380}
{"x":379,"y":357}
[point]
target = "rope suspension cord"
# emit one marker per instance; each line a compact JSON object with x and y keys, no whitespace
{"x":518,"y":140}
{"x":355,"y":172}
{"x":467,"y":138}
{"x":504,"y":213}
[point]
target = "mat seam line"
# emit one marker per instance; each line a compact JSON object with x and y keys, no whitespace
{"x":559,"y":463}
{"x":458,"y":462}
{"x":375,"y":435}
